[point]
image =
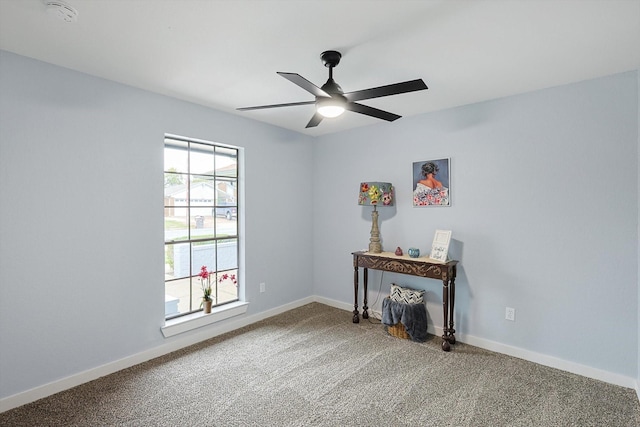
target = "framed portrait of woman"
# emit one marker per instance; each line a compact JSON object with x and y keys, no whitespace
{"x":432,"y":183}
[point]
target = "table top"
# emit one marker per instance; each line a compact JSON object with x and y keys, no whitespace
{"x":404,"y":257}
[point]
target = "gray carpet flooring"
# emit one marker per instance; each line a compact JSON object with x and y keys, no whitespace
{"x":312,"y":367}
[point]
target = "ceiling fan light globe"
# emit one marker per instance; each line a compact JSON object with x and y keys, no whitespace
{"x":330,"y":111}
{"x":330,"y":107}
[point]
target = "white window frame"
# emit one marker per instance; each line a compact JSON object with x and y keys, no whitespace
{"x":195,"y":317}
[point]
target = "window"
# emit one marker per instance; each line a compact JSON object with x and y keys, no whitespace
{"x":200,"y":223}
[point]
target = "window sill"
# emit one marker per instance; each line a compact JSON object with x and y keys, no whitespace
{"x":196,"y":320}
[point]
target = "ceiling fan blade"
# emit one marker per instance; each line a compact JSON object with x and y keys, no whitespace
{"x":370,"y":111}
{"x":393,"y":89}
{"x":304,"y":83}
{"x":315,"y":120}
{"x":262,"y":107}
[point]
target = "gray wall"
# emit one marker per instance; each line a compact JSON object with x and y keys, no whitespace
{"x":544,"y":217}
{"x":81,"y":190}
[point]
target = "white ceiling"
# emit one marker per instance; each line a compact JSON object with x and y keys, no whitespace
{"x":225,"y":54}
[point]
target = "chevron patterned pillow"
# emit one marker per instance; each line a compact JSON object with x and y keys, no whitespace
{"x":406,"y":295}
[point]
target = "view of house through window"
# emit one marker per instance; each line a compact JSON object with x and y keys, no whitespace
{"x":200,"y":223}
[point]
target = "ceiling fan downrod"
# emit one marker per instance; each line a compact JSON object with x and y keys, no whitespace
{"x":330,"y":59}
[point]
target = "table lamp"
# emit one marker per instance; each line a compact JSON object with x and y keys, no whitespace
{"x":375,"y":194}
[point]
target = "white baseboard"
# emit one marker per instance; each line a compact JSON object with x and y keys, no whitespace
{"x":333,"y":303}
{"x":550,"y":361}
{"x":211,"y":331}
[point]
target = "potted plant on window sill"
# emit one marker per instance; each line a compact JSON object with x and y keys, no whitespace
{"x":205,"y":283}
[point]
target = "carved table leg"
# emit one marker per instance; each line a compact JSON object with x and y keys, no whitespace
{"x":448,"y":303}
{"x":452,"y":297}
{"x":356,"y":317}
{"x":445,"y":311}
{"x":365,"y":313}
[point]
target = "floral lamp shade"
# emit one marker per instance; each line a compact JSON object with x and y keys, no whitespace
{"x":376,"y":194}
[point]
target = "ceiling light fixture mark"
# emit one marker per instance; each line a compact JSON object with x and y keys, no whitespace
{"x":61,"y":10}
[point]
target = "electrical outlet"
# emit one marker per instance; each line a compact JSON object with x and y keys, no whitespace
{"x":263,"y":287}
{"x":510,"y":314}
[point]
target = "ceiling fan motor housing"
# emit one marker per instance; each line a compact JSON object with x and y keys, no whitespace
{"x":332,"y":88}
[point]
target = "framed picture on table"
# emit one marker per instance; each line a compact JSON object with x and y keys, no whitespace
{"x":440,"y":245}
{"x":432,"y":183}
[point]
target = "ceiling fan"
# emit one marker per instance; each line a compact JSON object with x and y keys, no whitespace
{"x":331,"y":101}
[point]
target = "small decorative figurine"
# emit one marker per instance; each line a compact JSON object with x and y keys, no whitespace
{"x":414,"y":252}
{"x":399,"y":251}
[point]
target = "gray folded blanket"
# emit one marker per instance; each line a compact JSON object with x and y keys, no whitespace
{"x":412,"y":316}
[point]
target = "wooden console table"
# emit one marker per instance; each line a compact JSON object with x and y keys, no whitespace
{"x":422,"y":267}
